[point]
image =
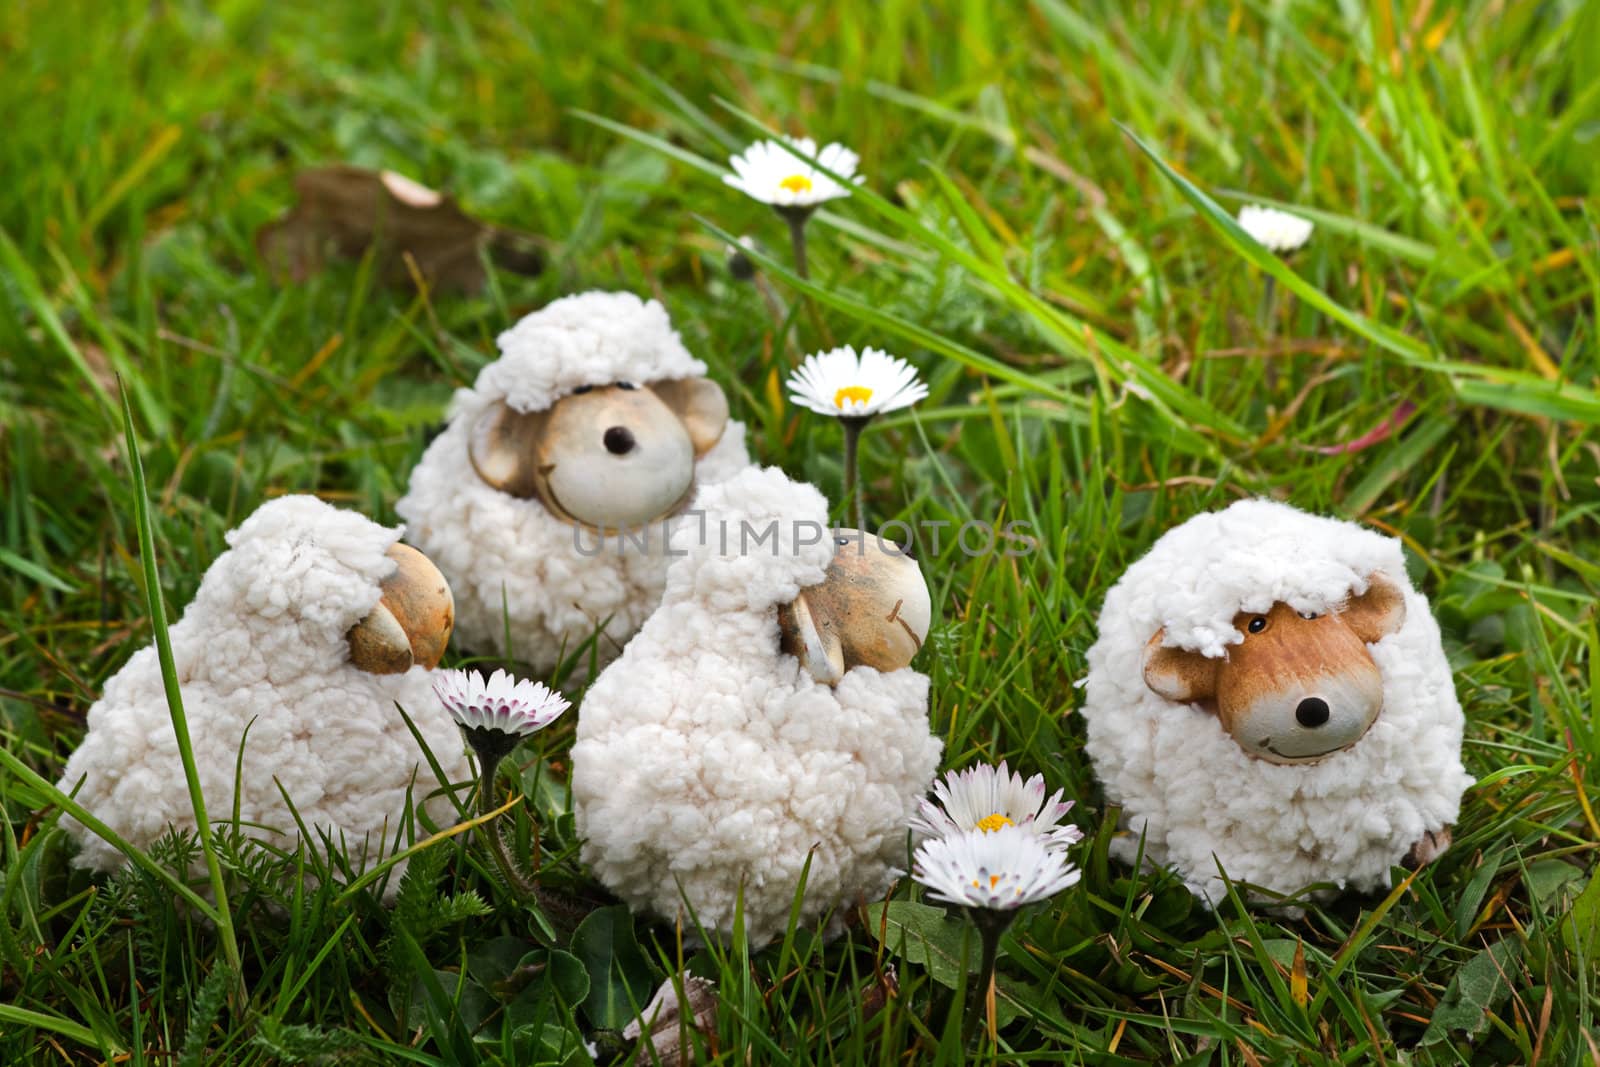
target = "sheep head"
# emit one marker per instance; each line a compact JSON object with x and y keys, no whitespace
{"x":1300,"y":686}
{"x":871,"y":609}
{"x":603,"y":457}
{"x":411,"y":624}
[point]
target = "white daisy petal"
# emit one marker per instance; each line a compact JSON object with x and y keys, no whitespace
{"x":985,"y":799}
{"x":1278,"y":231}
{"x":840,"y":383}
{"x":502,"y":703}
{"x":1002,"y":871}
{"x":769,"y":172}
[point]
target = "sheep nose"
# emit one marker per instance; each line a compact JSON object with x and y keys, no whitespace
{"x":619,"y":440}
{"x":1312,"y":712}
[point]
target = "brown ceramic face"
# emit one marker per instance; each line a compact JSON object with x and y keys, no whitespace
{"x":1298,"y":687}
{"x":411,"y":624}
{"x":605,"y":457}
{"x":871,"y":610}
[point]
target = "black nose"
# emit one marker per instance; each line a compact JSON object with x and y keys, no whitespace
{"x":619,"y":440}
{"x":1312,"y":712}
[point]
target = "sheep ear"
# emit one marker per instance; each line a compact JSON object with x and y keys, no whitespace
{"x":1378,"y":612}
{"x":816,"y":647}
{"x":412,"y":621}
{"x":506,"y":448}
{"x":700,"y":403}
{"x":1178,"y":674}
{"x":379,"y":645}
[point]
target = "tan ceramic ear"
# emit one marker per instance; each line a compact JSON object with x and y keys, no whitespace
{"x":412,"y":621}
{"x":700,"y":403}
{"x":1378,"y":612}
{"x":507,"y":447}
{"x":817,"y":647}
{"x":379,"y":645}
{"x":1178,"y":674}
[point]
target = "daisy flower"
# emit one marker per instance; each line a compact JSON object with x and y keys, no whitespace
{"x":772,"y":174}
{"x":845,"y":385}
{"x":988,"y":799}
{"x":1278,"y":231}
{"x":495,"y":715}
{"x":500,"y":705}
{"x":1000,"y":870}
{"x":991,"y":875}
{"x":853,"y":389}
{"x":775,"y":173}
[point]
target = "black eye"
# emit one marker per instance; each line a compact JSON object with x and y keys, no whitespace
{"x":1310,"y":615}
{"x":628,"y":386}
{"x":842,"y":541}
{"x":580,"y":390}
{"x":1257,"y":624}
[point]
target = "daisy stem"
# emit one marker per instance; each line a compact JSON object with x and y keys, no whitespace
{"x":852,"y":476}
{"x":797,"y":237}
{"x":991,"y":928}
{"x":490,"y":767}
{"x":490,"y":831}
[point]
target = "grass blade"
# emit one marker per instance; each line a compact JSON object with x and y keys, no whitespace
{"x":169,"y":681}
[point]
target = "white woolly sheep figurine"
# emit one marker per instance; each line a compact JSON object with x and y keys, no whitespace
{"x":306,"y":633}
{"x":763,"y":715}
{"x":594,"y":421}
{"x":1269,"y":692}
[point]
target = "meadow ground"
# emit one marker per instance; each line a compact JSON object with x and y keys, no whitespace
{"x":1042,"y":232}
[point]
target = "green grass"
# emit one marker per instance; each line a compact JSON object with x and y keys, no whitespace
{"x":1044,"y":232}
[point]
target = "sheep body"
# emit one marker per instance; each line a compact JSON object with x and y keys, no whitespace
{"x":262,"y":649}
{"x":1189,"y":788}
{"x":510,"y":563}
{"x":707,"y":759}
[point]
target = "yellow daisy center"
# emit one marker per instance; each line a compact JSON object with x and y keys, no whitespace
{"x":994,"y":880}
{"x":851,"y":392}
{"x":796,"y":183}
{"x":990,"y":823}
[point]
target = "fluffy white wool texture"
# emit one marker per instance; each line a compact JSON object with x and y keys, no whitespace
{"x":508,"y":559}
{"x":1184,"y":782}
{"x":707,"y":759}
{"x":262,"y":645}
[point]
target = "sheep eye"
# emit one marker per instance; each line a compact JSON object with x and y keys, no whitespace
{"x":627,"y":386}
{"x":842,"y":541}
{"x":580,"y":390}
{"x":1257,"y":624}
{"x":1310,"y":615}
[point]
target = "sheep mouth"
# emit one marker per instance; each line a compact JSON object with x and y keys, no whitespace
{"x":552,"y":503}
{"x":1306,"y":756}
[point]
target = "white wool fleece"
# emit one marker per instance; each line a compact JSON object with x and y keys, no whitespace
{"x":707,"y":759}
{"x":509,"y":560}
{"x":262,"y":647}
{"x":1189,"y":787}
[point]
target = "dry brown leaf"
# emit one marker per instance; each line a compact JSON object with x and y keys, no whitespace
{"x":344,"y":210}
{"x":663,"y":1020}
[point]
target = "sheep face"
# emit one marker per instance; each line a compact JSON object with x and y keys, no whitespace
{"x":411,"y":624}
{"x":603,"y":457}
{"x":870,"y":610}
{"x":1299,"y":687}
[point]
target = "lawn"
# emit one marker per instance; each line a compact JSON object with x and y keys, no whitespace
{"x":1044,"y":230}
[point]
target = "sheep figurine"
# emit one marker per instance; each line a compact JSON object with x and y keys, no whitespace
{"x":1269,"y":692}
{"x":545,"y":498}
{"x":764,"y":715}
{"x":302,"y":639}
